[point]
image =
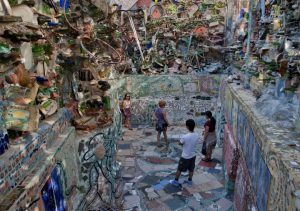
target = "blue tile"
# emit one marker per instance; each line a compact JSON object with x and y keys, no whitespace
{"x":164,"y":182}
{"x":214,"y":171}
{"x":158,"y":187}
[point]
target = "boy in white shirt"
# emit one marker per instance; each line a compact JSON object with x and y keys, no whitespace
{"x":188,"y":157}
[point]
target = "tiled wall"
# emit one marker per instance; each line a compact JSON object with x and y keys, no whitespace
{"x":263,"y":180}
{"x":28,"y":163}
{"x":244,"y":197}
{"x":252,"y":167}
{"x":3,"y":133}
{"x":21,"y":158}
{"x":231,"y":154}
{"x":186,"y":97}
{"x":56,"y":147}
{"x":100,"y":178}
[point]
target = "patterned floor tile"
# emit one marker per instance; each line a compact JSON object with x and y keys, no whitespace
{"x":158,"y":160}
{"x":153,"y":168}
{"x":207,"y":164}
{"x":210,"y":186}
{"x":150,"y":180}
{"x":206,"y":195}
{"x":162,"y":193}
{"x":124,"y":146}
{"x":172,"y":189}
{"x":125,"y":152}
{"x":214,"y":171}
{"x":224,"y":204}
{"x":175,"y":203}
{"x":194,"y":204}
{"x":153,"y":204}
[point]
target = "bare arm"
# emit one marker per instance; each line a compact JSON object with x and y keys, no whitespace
{"x":181,"y":141}
{"x":154,"y":117}
{"x":165,"y":117}
{"x":205,"y":133}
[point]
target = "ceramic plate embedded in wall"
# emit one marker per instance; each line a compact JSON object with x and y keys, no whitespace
{"x":48,"y":107}
{"x":156,"y":11}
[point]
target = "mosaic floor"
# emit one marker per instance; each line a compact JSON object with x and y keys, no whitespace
{"x":148,"y":169}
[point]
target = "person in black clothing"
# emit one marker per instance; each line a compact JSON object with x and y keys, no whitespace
{"x":209,"y":135}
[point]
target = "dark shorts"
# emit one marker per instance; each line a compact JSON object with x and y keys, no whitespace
{"x":161,"y":127}
{"x":186,"y":164}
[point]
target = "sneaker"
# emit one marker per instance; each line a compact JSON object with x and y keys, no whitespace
{"x":175,"y":182}
{"x":189,"y":183}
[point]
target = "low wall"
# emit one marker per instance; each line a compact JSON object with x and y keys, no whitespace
{"x":267,"y":173}
{"x":186,"y":96}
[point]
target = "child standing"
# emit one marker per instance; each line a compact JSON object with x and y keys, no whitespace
{"x":188,"y":157}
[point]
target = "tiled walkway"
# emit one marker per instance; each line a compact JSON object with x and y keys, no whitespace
{"x":147,"y":170}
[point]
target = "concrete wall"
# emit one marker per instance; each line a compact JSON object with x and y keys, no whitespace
{"x":186,"y":96}
{"x":267,"y":170}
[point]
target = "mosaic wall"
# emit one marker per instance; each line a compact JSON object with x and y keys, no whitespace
{"x":259,"y":172}
{"x":144,"y":86}
{"x":260,"y":166}
{"x":28,"y":152}
{"x":56,"y":162}
{"x":3,"y":133}
{"x":99,"y":172}
{"x":231,"y":154}
{"x":67,"y":163}
{"x":52,"y":192}
{"x":186,"y":96}
{"x":243,"y":193}
{"x":82,"y":167}
{"x":100,"y":175}
{"x":220,"y":124}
